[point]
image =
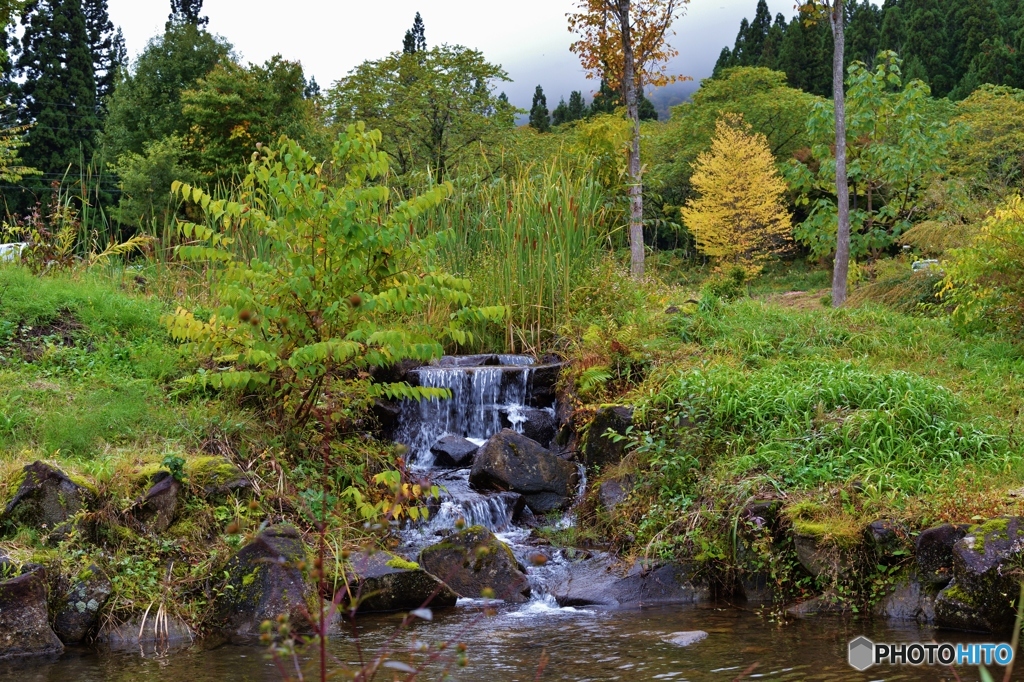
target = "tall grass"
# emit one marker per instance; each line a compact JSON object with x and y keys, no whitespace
{"x":527,"y":240}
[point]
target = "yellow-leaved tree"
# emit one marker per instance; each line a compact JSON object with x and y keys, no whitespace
{"x":740,"y":216}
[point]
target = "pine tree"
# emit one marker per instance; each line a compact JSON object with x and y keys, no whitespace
{"x":605,"y":100}
{"x":57,"y":90}
{"x":757,"y":35}
{"x":863,"y":32}
{"x":559,"y":113}
{"x":107,"y":46}
{"x":740,"y":216}
{"x":187,"y":12}
{"x":415,"y":38}
{"x":773,"y":43}
{"x":539,"y":119}
{"x":577,"y":107}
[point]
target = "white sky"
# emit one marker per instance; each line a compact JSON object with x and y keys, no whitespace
{"x":529,"y":38}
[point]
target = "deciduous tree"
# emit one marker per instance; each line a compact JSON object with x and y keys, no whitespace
{"x":740,"y":215}
{"x":431,"y":106}
{"x":625,"y":42}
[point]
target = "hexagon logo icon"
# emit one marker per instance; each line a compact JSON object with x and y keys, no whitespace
{"x":862,"y":653}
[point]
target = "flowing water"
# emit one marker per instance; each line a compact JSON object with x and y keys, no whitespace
{"x":536,"y":640}
{"x":579,"y":644}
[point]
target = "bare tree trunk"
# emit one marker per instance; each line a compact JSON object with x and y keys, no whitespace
{"x":841,"y":267}
{"x":636,"y":197}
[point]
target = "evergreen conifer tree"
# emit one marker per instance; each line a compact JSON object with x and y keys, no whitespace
{"x":577,"y":108}
{"x":416,"y":37}
{"x":539,"y":118}
{"x":107,"y":46}
{"x":559,"y":114}
{"x":57,"y":87}
{"x":187,"y":12}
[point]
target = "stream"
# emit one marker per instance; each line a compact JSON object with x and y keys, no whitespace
{"x":538,"y":639}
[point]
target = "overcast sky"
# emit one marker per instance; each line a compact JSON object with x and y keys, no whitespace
{"x":528,"y":37}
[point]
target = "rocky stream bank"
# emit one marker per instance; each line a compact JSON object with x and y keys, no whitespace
{"x":509,"y":459}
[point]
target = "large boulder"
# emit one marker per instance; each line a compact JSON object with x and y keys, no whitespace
{"x":539,"y":425}
{"x":910,"y":601}
{"x":79,"y":610}
{"x":24,"y":620}
{"x":474,"y":563}
{"x":385,"y":582}
{"x":453,"y":451}
{"x":511,"y":461}
{"x":264,"y":581}
{"x":159,"y":506}
{"x":612,"y":492}
{"x":600,"y":449}
{"x":46,"y":498}
{"x":601,"y":581}
{"x":985,"y":586}
{"x":934,"y":552}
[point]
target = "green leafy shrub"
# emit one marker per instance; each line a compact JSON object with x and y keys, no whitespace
{"x":985,"y":281}
{"x":337,"y":287}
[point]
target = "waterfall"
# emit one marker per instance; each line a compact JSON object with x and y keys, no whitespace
{"x":484,"y":400}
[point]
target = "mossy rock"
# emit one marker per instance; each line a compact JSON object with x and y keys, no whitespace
{"x":46,"y":498}
{"x":474,"y":563}
{"x":264,"y":580}
{"x":24,"y":618}
{"x":600,"y":449}
{"x":381,"y":581}
{"x":933,"y":550}
{"x":985,"y":586}
{"x":215,"y":476}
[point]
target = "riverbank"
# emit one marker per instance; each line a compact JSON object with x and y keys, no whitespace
{"x":767,"y":439}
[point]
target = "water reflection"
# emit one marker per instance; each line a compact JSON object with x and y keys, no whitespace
{"x":579,"y":644}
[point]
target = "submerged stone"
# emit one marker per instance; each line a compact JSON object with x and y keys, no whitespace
{"x":910,"y":601}
{"x":264,"y":581}
{"x":155,"y":627}
{"x":686,"y":638}
{"x":474,"y":563}
{"x":24,"y":619}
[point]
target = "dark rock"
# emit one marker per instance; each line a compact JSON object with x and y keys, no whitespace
{"x":453,"y":451}
{"x":985,"y":587}
{"x":908,"y":602}
{"x":685,"y":638}
{"x":79,"y":612}
{"x":672,"y":310}
{"x":24,"y":620}
{"x":46,"y":498}
{"x":542,"y":386}
{"x":474,"y":560}
{"x":819,"y":558}
{"x":540,"y":425}
{"x":757,"y":527}
{"x":934,"y":552}
{"x":600,"y":581}
{"x":511,"y":461}
{"x":397,"y":372}
{"x":216,"y":476}
{"x":762,"y":513}
{"x":264,"y":581}
{"x":159,"y":506}
{"x":614,"y":491}
{"x":885,"y":537}
{"x":386,"y":414}
{"x":149,"y":628}
{"x":599,"y":450}
{"x":385,"y":582}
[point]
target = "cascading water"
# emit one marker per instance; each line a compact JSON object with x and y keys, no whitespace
{"x":484,"y":399}
{"x":488,"y":393}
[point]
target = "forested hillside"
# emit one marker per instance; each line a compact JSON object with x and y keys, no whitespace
{"x":951,"y":45}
